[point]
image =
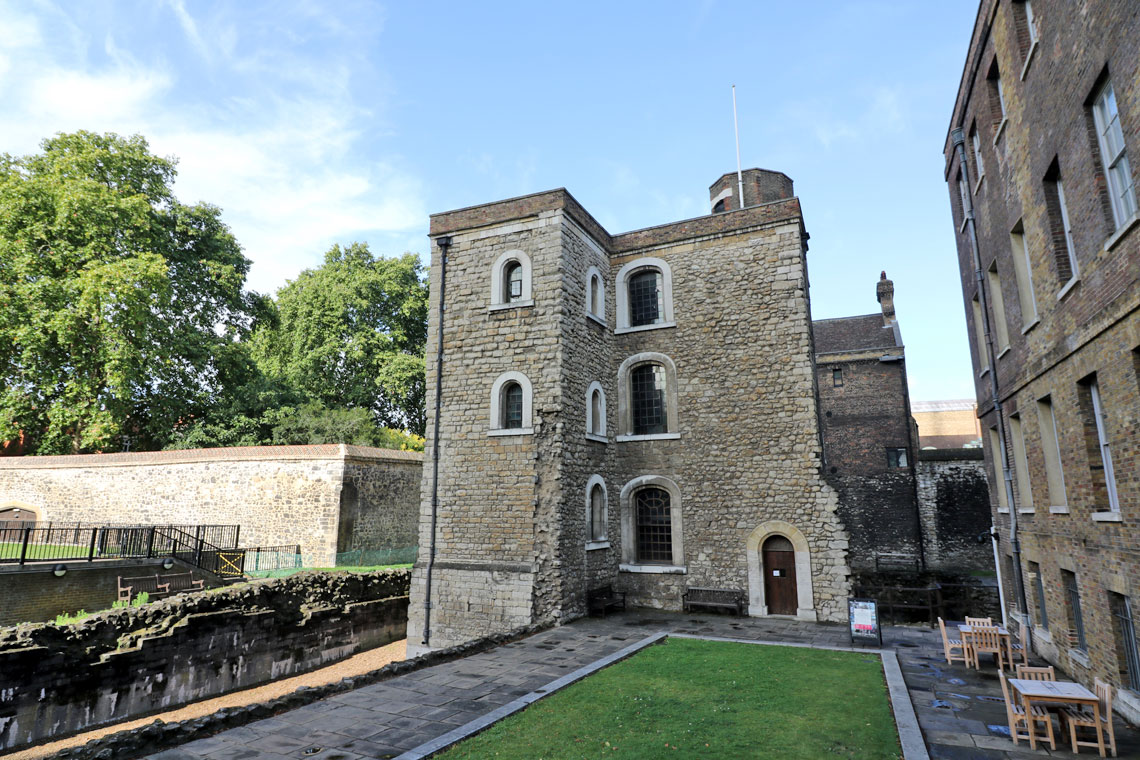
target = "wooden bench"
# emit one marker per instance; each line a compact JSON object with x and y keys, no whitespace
{"x":151,"y":585}
{"x":714,"y":598}
{"x":176,"y":582}
{"x":603,"y":599}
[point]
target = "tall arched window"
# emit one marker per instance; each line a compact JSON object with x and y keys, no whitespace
{"x":648,"y":406}
{"x":647,"y":398}
{"x":511,"y":404}
{"x":595,"y":295}
{"x":597,"y":513}
{"x":644,"y":290}
{"x":596,"y":412}
{"x":511,"y":281}
{"x":654,"y":526}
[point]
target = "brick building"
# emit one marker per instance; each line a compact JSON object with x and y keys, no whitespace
{"x":637,"y":410}
{"x":1041,"y":170}
{"x":950,"y":424}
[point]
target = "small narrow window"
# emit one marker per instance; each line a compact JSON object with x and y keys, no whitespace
{"x":514,"y":282}
{"x":980,"y":334}
{"x":1047,"y":424}
{"x":896,"y":457}
{"x":997,"y":98}
{"x":1125,"y":639}
{"x":595,"y":295}
{"x":996,"y":459}
{"x":597,"y":528}
{"x":1023,"y":270}
{"x":598,"y":412}
{"x":645,"y":298}
{"x":997,"y":305}
{"x":1098,"y":449}
{"x":1060,"y":228}
{"x":963,"y":195}
{"x":654,"y":526}
{"x":976,"y":141}
{"x":512,"y":406}
{"x":1020,"y":463}
{"x":1110,"y":136}
{"x":1077,"y":638}
{"x":1039,"y":593}
{"x":837,"y":377}
{"x":719,"y":208}
{"x":1030,"y":21}
{"x":648,"y":399}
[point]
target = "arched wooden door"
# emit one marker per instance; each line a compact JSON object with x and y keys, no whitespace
{"x":779,"y":568}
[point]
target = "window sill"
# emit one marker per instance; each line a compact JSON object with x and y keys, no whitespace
{"x":1060,"y":509}
{"x":650,"y":437}
{"x":1080,"y":657}
{"x":1064,"y":291}
{"x":1036,"y":321}
{"x":511,"y":431}
{"x":597,"y":319}
{"x":1107,"y":517}
{"x":1003,"y":352}
{"x":1002,"y":511}
{"x":1000,"y":129}
{"x":978,"y":184}
{"x":1115,"y":238}
{"x":1043,"y":634}
{"x":983,"y":372}
{"x":962,"y":226}
{"x":511,"y":305}
{"x":1026,"y":511}
{"x":643,"y":328}
{"x":1028,"y":59}
{"x":596,"y":437}
{"x":654,"y":569}
{"x":595,"y":545}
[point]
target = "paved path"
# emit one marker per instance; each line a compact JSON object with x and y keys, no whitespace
{"x":387,"y":719}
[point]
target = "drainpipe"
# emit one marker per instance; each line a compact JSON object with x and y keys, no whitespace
{"x":959,"y":141}
{"x":444,"y":244}
{"x":994,"y":536}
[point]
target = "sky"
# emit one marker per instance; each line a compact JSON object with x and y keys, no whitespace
{"x":312,"y":123}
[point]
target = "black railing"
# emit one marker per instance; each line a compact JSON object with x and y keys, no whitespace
{"x":269,"y":558}
{"x":200,"y":545}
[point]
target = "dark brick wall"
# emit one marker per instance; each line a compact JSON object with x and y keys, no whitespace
{"x":953,"y":498}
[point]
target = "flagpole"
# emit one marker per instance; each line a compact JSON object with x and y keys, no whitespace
{"x":739,"y":174}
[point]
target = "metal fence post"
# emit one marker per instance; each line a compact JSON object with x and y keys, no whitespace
{"x":91,"y":548}
{"x":150,"y":543}
{"x":24,"y":546}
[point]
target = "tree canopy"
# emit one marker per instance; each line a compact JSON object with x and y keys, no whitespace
{"x":351,"y":333}
{"x":122,"y":310}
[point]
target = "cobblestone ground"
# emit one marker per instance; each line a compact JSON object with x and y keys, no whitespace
{"x":959,"y":709}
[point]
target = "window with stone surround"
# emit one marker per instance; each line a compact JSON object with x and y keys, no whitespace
{"x":1076,"y":619}
{"x":511,"y":281}
{"x":651,"y":526}
{"x":511,"y":405}
{"x":1039,"y":595}
{"x":595,"y":294}
{"x":1097,"y":447}
{"x":596,"y":412}
{"x":1124,"y":635}
{"x":597,"y":513}
{"x":1051,"y":449}
{"x":1023,"y":273}
{"x":1025,"y":23}
{"x":995,"y":461}
{"x":837,"y":377}
{"x":979,"y":164}
{"x":1020,"y":463}
{"x":997,"y":307}
{"x":980,"y":335}
{"x":996,"y":92}
{"x":1113,"y":155}
{"x":647,"y":398}
{"x":1060,"y":227}
{"x":644,"y":296}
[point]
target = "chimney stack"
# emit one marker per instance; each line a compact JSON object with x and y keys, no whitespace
{"x":885,"y":293}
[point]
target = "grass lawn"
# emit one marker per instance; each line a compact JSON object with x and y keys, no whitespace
{"x":11,"y":550}
{"x":704,"y":699}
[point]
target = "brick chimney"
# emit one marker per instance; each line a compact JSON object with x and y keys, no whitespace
{"x":885,"y":293}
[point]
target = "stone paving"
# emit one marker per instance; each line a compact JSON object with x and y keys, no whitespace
{"x":956,"y":706}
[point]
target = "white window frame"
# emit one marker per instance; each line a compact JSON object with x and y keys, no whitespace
{"x":1070,"y":246}
{"x":1020,"y":464}
{"x":625,"y":405}
{"x":1001,"y":95}
{"x":621,"y":285}
{"x":495,"y":428}
{"x":1117,"y":170}
{"x":600,"y":433}
{"x":629,"y":562}
{"x":999,"y":475}
{"x":1051,"y":448}
{"x":594,"y":300}
{"x":997,"y":304}
{"x":962,"y":192}
{"x":976,"y":141}
{"x":980,"y":334}
{"x":498,"y":281}
{"x":603,"y":542}
{"x":1105,"y":451}
{"x":1023,"y":269}
{"x":1030,"y":22}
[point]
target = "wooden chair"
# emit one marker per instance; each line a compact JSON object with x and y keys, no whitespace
{"x":1015,"y":714}
{"x":979,"y":621}
{"x":1018,"y":647}
{"x":985,"y":639}
{"x":1027,"y":673}
{"x":949,"y":645}
{"x":1082,"y":717}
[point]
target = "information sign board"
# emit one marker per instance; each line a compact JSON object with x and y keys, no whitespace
{"x":863,"y":621}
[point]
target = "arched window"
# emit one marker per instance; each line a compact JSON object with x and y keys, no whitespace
{"x":511,"y":405}
{"x":647,"y":400}
{"x":597,"y":513}
{"x":651,"y":526}
{"x":596,"y":412}
{"x":595,"y":295}
{"x":511,"y":281}
{"x":644,"y":295}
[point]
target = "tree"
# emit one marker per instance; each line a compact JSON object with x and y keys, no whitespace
{"x":351,"y":334}
{"x":121,"y":309}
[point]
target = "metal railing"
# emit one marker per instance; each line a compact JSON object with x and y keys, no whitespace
{"x":266,"y":558}
{"x":46,"y":542}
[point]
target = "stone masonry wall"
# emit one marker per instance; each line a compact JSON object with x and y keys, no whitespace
{"x":953,"y":497}
{"x":126,"y":663}
{"x":277,"y":494}
{"x":380,"y":504}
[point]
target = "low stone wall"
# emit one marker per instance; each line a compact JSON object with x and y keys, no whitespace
{"x":60,"y":680}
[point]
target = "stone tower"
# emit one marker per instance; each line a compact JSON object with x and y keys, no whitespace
{"x":637,"y":410}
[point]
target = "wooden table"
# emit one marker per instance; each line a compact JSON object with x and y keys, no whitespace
{"x":1055,"y":693}
{"x":1003,"y":634}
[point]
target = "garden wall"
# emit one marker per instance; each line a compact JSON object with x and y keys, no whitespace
{"x":59,"y":680}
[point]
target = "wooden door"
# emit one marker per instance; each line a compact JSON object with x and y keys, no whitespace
{"x":780,"y":576}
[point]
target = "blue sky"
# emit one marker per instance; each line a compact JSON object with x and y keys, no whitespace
{"x":312,"y":123}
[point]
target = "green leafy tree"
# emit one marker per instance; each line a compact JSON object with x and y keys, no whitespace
{"x":351,"y":334}
{"x":121,"y":309}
